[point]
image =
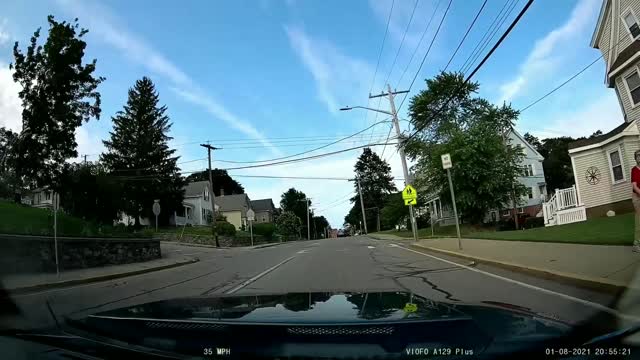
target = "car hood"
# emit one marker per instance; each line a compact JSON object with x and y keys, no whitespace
{"x":327,"y":308}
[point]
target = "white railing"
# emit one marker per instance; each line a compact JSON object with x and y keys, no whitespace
{"x":568,"y":216}
{"x":549,"y":209}
{"x":566,"y":198}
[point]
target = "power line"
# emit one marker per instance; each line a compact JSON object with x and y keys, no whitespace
{"x":289,"y":177}
{"x":484,"y":36}
{"x":465,"y":35}
{"x":493,"y":33}
{"x":308,"y":151}
{"x":426,"y":54}
{"x":296,"y":139}
{"x":375,"y":73}
{"x":388,"y":135}
{"x":406,"y":30}
{"x":486,"y":57}
{"x":424,"y":32}
{"x":305,"y":158}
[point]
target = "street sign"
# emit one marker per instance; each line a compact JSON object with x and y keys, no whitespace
{"x":409,"y":193}
{"x":251,"y":215}
{"x":156,"y":207}
{"x":446,"y":161}
{"x":410,"y":202}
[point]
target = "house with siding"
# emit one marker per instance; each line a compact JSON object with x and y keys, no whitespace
{"x":264,"y":210}
{"x":602,"y":165}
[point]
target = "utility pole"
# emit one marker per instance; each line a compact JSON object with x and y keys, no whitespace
{"x":364,"y":219}
{"x":212,"y":195}
{"x":85,"y":159}
{"x":308,"y":222}
{"x":405,"y":170}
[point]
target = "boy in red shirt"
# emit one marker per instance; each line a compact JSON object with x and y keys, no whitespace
{"x":635,"y":197}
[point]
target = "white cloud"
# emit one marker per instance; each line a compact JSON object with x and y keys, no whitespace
{"x":103,"y":24}
{"x":541,"y":61}
{"x":603,"y":113}
{"x":340,"y":79}
{"x":5,"y":37}
{"x":10,"y":104}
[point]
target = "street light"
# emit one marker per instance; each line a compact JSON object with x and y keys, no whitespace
{"x":366,"y":108}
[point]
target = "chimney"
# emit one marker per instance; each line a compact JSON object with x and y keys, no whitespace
{"x":221,"y":192}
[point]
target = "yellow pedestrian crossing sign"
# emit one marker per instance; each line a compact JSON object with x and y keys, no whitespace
{"x":410,"y":201}
{"x":409,"y":193}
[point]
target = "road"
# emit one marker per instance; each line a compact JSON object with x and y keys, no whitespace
{"x":343,"y":264}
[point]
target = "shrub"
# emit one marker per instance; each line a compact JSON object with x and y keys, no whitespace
{"x":533,"y":222}
{"x":225,"y":228}
{"x":266,"y":229}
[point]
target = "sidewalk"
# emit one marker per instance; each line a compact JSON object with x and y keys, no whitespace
{"x":603,"y":267}
{"x":23,"y":283}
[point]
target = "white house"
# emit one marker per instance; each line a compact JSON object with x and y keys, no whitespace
{"x":602,"y":165}
{"x":532,"y":178}
{"x":196,"y":204}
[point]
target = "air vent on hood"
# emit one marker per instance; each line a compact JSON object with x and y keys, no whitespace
{"x":184,"y":325}
{"x":340,"y":330}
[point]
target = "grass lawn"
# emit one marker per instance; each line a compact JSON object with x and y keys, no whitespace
{"x":617,"y":230}
{"x":26,"y":220}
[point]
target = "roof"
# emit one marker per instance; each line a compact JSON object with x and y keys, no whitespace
{"x":599,"y":26}
{"x":598,"y":139}
{"x":536,"y":153}
{"x":626,"y":54}
{"x":262,"y":205}
{"x":195,"y":188}
{"x":233,"y":202}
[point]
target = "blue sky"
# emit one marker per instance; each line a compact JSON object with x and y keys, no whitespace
{"x":264,"y":78}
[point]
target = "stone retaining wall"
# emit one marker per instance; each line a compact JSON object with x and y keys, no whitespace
{"x":22,"y":254}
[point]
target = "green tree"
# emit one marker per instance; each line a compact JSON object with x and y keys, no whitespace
{"x":295,"y":201}
{"x":139,"y":155}
{"x":221,"y":180}
{"x":451,"y":120}
{"x":288,"y":224}
{"x":393,"y":212}
{"x":318,"y":226}
{"x":87,"y":191}
{"x":9,"y":185}
{"x":376,"y":182}
{"x":58,"y":94}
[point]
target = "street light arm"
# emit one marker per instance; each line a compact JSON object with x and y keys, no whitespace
{"x":366,"y":108}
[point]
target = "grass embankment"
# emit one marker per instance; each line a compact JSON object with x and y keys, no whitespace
{"x":617,"y":230}
{"x":25,"y":220}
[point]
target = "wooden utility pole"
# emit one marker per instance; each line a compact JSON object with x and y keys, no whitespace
{"x":212,"y":195}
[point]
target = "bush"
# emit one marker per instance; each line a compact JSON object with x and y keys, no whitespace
{"x":533,"y":222}
{"x":266,"y":229}
{"x":225,"y":228}
{"x":506,"y":225}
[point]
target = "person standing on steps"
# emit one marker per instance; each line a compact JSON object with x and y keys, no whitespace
{"x":635,"y":197}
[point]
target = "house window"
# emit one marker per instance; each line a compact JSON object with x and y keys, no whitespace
{"x":615,"y":163}
{"x":530,"y":193}
{"x":528,"y":170}
{"x":633,"y":85}
{"x":206,"y":194}
{"x":631,"y":23}
{"x":506,"y":213}
{"x":493,"y":216}
{"x":47,"y":195}
{"x":521,"y":211}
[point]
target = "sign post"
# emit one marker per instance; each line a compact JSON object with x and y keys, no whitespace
{"x":156,"y":211}
{"x":410,"y":197}
{"x":251,"y":216}
{"x":447,"y":164}
{"x":56,"y":205}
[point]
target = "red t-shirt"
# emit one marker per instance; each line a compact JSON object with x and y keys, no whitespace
{"x":635,"y":176}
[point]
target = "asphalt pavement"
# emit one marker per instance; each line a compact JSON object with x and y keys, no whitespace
{"x":343,"y":264}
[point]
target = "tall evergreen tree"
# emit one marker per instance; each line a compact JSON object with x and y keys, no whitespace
{"x":376,"y":181}
{"x":138,"y":153}
{"x":58,"y":94}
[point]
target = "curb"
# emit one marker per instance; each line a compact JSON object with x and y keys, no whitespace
{"x":567,"y":278}
{"x":195,"y":245}
{"x":66,"y":283}
{"x":266,"y":245}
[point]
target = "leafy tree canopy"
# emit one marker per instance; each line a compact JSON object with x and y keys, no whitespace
{"x":221,"y":180}
{"x":288,"y":224}
{"x":58,"y":94}
{"x":452,"y":120}
{"x":294,"y":201}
